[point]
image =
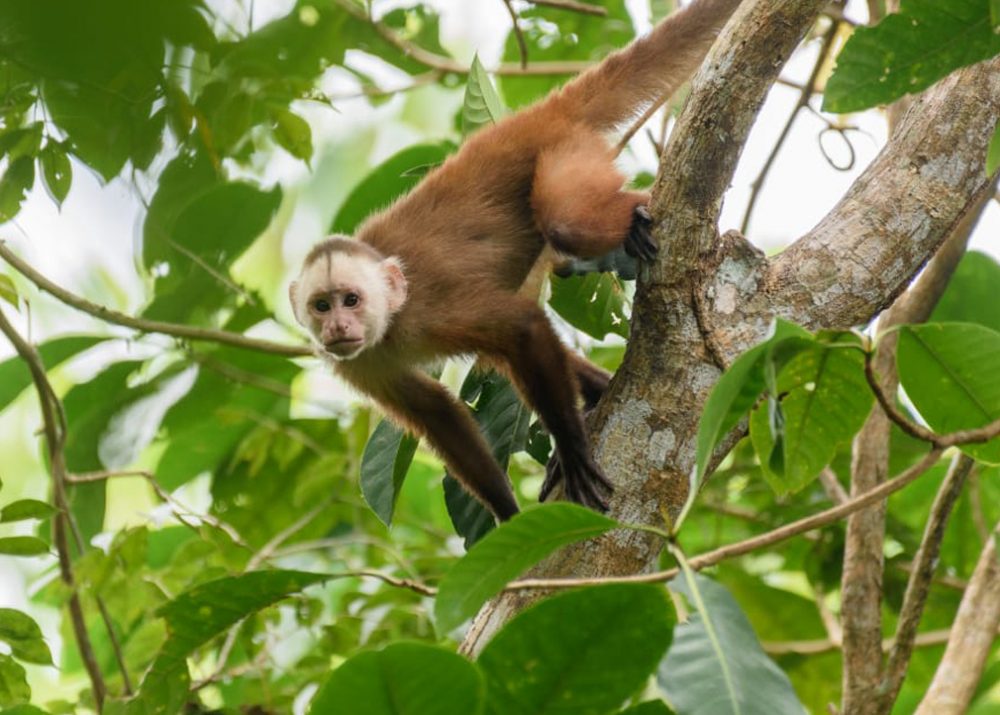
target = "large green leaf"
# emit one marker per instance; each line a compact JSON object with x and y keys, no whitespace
{"x":971,"y":293}
{"x":715,"y":665}
{"x":23,"y":546}
{"x":384,"y":464}
{"x":57,"y":172}
{"x":504,"y":421}
{"x":25,"y":509}
{"x":578,"y":653}
{"x":210,"y":232}
{"x":17,"y":180}
{"x":90,"y":407}
{"x":507,"y":551}
{"x":14,"y":688}
{"x":22,"y":634}
{"x":738,"y":389}
{"x":197,"y":616}
{"x":403,"y":679}
{"x":825,"y":401}
{"x":389,"y":180}
{"x":594,"y":303}
{"x":946,"y":370}
{"x":908,"y":51}
{"x":14,"y":373}
{"x":234,"y":392}
{"x":482,"y":105}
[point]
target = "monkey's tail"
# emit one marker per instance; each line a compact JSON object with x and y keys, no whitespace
{"x":652,"y":67}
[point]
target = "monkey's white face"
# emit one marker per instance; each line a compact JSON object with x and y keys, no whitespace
{"x":346,"y":302}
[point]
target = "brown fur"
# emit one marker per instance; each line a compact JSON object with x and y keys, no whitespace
{"x":470,"y":234}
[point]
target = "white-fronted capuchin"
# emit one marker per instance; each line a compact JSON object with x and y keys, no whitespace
{"x":438,"y":273}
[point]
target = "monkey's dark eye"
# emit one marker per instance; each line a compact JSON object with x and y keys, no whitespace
{"x":351,"y":300}
{"x":322,"y":306}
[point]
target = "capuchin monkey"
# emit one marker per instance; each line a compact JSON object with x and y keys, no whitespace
{"x":440,"y":272}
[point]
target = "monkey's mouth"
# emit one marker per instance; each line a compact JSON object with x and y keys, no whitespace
{"x":343,"y":345}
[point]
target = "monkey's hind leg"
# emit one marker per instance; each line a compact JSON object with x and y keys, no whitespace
{"x":579,"y":205}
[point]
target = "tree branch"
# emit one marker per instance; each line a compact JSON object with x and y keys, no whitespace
{"x":54,"y":439}
{"x":972,"y":636}
{"x":918,"y":587}
{"x":146,"y":326}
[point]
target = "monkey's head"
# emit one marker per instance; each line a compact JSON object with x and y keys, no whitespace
{"x":346,"y":296}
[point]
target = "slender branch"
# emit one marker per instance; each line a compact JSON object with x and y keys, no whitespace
{"x":180,"y":511}
{"x":804,"y":96}
{"x":522,"y":46}
{"x":941,"y":441}
{"x":268,"y":549}
{"x":147,"y":326}
{"x":818,"y":647}
{"x":918,"y":586}
{"x":783,"y":533}
{"x":55,"y":439}
{"x":572,"y":6}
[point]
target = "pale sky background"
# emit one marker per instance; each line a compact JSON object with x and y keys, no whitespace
{"x":89,"y":244}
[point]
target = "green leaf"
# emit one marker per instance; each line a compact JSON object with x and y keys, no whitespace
{"x":22,"y":634}
{"x":580,"y":652}
{"x":995,"y":14}
{"x":993,"y":152}
{"x":472,"y":520}
{"x":825,"y":401}
{"x":945,"y":370}
{"x":403,"y":679}
{"x":971,"y":293}
{"x":387,"y":182}
{"x":14,"y":373}
{"x":716,"y":665}
{"x":23,"y":546}
{"x":908,"y":51}
{"x":14,"y":688}
{"x":506,"y":552}
{"x":737,"y":390}
{"x":482,"y":105}
{"x":197,"y":616}
{"x":293,"y":133}
{"x":57,"y":172}
{"x":8,"y":291}
{"x":14,"y":184}
{"x":594,"y":303}
{"x":26,"y":509}
{"x":651,"y":707}
{"x":384,"y":465}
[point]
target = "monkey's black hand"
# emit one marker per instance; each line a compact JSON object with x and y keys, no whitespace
{"x":585,"y":483}
{"x":639,"y":241}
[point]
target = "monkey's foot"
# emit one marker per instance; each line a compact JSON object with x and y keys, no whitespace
{"x":639,"y":241}
{"x":585,"y":484}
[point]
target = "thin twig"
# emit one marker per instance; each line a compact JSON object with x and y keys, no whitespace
{"x":783,"y":533}
{"x":818,"y":647}
{"x":55,"y":439}
{"x":572,"y":6}
{"x":522,"y":46}
{"x":147,"y":326}
{"x":941,"y":441}
{"x":804,"y":96}
{"x":918,"y":587}
{"x":179,"y":509}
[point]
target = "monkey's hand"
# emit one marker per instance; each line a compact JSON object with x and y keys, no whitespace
{"x":639,"y":241}
{"x":583,"y":483}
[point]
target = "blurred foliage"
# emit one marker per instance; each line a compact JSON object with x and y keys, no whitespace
{"x":226,"y":520}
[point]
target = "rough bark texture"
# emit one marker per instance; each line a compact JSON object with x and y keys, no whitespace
{"x":972,"y":636}
{"x":707,"y":299}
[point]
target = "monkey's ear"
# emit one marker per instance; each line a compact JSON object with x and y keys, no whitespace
{"x":293,"y":290}
{"x":395,"y":281}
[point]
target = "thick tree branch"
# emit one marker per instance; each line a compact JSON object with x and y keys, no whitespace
{"x":865,"y":251}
